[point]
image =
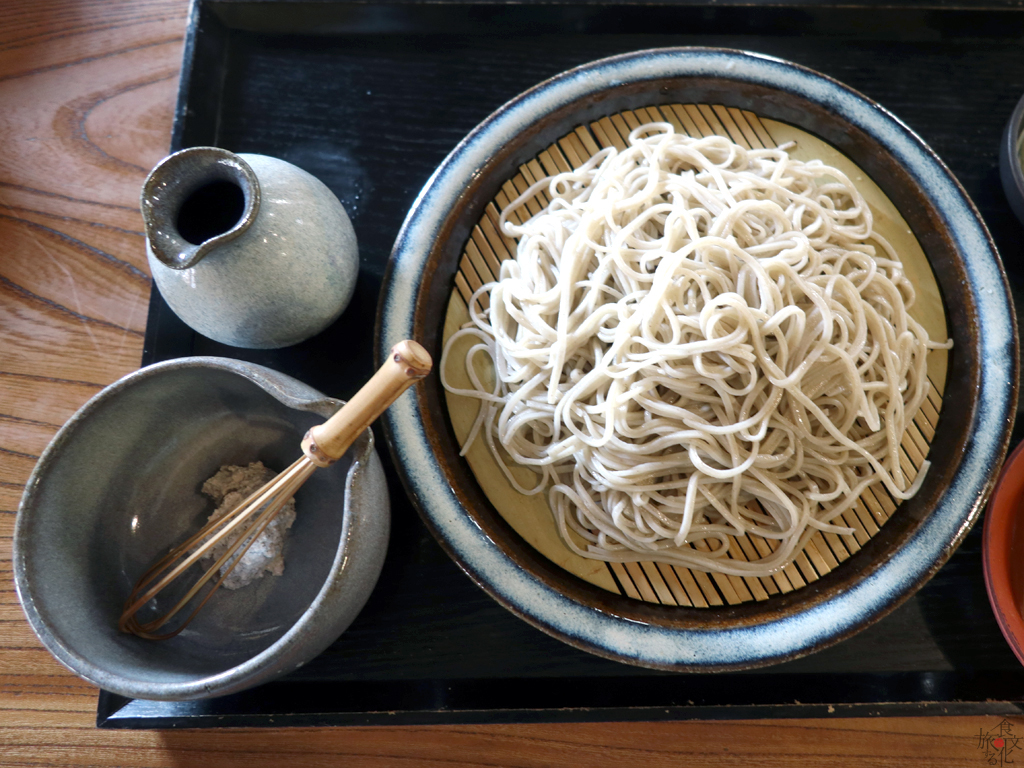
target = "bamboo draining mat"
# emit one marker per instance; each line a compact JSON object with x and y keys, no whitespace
{"x":659,"y":582}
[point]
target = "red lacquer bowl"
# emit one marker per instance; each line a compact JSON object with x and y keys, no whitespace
{"x":1003,"y":551}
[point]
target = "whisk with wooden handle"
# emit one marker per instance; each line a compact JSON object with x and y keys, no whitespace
{"x":321,"y":447}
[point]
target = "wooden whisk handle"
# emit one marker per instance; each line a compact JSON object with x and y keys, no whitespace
{"x":407,"y":363}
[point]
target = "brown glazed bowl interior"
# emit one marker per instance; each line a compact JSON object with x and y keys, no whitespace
{"x":970,"y":441}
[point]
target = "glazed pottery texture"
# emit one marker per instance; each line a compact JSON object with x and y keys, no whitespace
{"x":1003,"y":552}
{"x":1011,"y":164}
{"x":971,"y":435}
{"x":119,"y":485}
{"x":281,"y":268}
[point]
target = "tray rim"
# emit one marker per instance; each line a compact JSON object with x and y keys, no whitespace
{"x":115,"y":712}
{"x":912,"y":5}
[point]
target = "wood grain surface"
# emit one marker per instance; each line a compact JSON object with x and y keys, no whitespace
{"x":87,"y":91}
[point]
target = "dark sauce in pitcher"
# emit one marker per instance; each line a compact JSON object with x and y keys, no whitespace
{"x":211,"y":210}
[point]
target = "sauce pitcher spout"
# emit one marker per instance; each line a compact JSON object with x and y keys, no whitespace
{"x":196,"y":200}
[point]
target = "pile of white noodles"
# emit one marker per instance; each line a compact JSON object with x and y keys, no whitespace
{"x":693,"y":341}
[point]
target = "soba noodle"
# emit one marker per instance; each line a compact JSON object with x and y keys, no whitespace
{"x":696,"y":341}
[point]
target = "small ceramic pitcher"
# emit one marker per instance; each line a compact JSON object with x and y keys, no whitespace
{"x":248,"y":250}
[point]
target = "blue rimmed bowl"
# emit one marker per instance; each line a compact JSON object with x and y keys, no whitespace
{"x":970,"y":440}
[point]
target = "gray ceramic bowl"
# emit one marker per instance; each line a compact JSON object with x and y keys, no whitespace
{"x":120,"y":483}
{"x":1010,"y":171}
{"x":971,"y":437}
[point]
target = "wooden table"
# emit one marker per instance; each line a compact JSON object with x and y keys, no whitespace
{"x":87,"y":90}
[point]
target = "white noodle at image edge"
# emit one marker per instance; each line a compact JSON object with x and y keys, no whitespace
{"x":696,"y":341}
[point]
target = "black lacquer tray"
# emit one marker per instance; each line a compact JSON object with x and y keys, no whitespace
{"x":370,"y":98}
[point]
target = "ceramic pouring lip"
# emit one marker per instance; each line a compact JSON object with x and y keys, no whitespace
{"x":171,"y":182}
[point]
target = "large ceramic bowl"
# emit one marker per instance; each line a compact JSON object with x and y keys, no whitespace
{"x":120,"y":484}
{"x":971,"y":434}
